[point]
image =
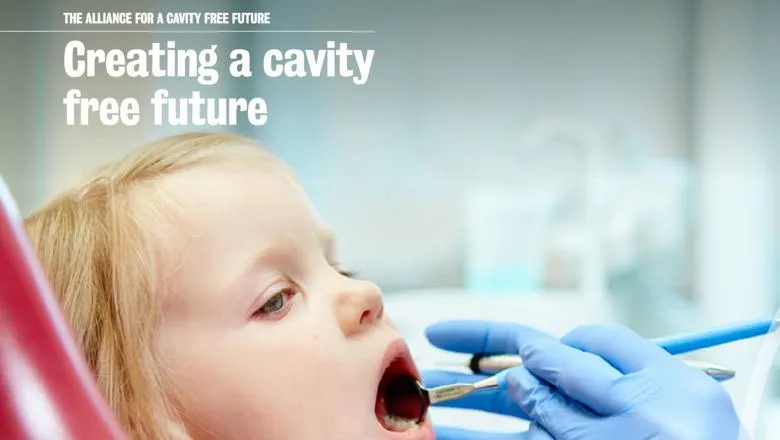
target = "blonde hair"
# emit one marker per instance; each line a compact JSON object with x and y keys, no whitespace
{"x":99,"y":244}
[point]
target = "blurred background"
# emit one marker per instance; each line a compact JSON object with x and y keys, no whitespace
{"x":548,"y":162}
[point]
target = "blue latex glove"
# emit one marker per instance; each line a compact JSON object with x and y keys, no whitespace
{"x":601,"y":382}
{"x":481,"y":337}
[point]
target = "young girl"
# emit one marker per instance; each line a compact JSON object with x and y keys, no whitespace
{"x":208,"y":300}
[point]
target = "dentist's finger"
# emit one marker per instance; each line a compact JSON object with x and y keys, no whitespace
{"x":622,"y":348}
{"x":536,"y":432}
{"x":581,"y":376}
{"x":469,"y":336}
{"x":493,"y":401}
{"x":551,"y":410}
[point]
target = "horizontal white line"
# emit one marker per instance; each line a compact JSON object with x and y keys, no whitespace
{"x":184,"y":31}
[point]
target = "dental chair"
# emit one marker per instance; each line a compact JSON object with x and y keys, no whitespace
{"x":46,"y":389}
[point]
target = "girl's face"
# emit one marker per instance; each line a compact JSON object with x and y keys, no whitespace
{"x":262,"y":336}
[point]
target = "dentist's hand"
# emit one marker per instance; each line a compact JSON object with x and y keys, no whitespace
{"x":596,"y":383}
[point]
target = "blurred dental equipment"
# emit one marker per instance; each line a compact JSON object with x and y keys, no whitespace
{"x":509,"y":229}
{"x":592,"y":212}
{"x":595,"y":182}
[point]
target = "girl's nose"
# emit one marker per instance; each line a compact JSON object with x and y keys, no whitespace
{"x":359,"y":306}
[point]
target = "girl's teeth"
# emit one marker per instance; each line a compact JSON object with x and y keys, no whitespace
{"x":399,"y":424}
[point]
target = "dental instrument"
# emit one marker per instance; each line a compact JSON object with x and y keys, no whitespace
{"x":675,"y":344}
{"x":481,"y":364}
{"x":444,"y":393}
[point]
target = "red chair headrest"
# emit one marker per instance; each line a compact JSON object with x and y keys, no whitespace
{"x":47,"y":391}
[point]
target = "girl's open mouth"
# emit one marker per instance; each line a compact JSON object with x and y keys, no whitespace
{"x":400,"y":403}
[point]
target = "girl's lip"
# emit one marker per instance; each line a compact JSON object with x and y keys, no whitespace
{"x":397,"y":350}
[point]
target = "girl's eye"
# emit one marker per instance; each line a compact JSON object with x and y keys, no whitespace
{"x":277,"y":306}
{"x":343,"y":272}
{"x":347,"y":273}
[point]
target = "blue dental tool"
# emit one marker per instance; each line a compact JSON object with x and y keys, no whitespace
{"x":688,"y":342}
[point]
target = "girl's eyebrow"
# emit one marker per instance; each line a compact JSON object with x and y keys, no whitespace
{"x":269,"y":256}
{"x":278,"y":254}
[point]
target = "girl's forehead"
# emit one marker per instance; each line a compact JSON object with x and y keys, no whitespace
{"x":224,"y":183}
{"x":230,"y":201}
